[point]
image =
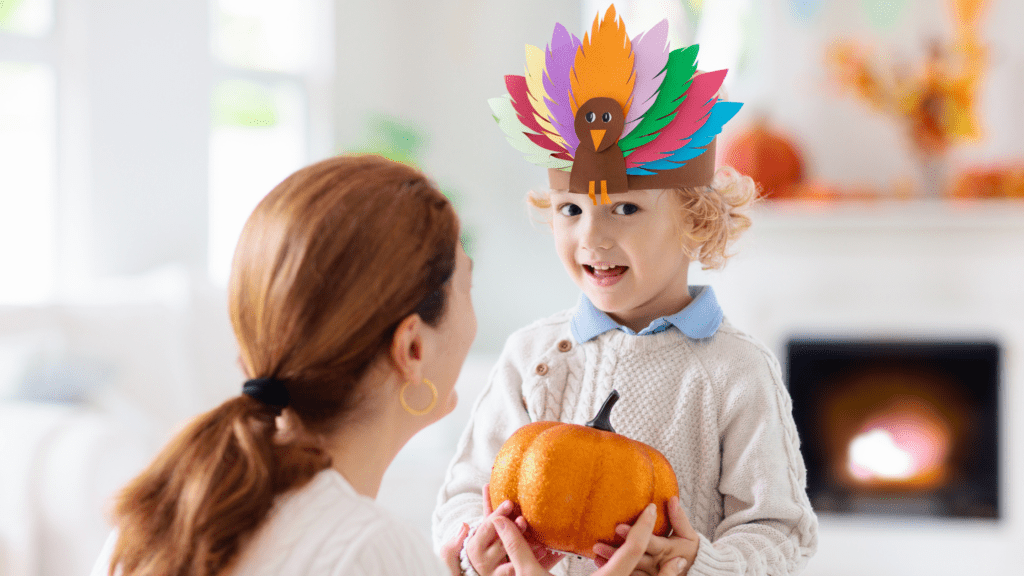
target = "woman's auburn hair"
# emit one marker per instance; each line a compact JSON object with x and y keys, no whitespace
{"x":327,"y":266}
{"x":710,"y":217}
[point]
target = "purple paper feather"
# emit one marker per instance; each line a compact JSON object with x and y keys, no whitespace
{"x":561,"y":54}
{"x":651,"y":55}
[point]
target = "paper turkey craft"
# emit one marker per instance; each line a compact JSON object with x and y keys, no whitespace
{"x":609,"y":114}
{"x":574,"y":484}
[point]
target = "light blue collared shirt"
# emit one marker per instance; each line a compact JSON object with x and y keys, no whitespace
{"x":699,"y":319}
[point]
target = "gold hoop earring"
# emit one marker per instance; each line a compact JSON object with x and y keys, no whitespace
{"x":409,"y":409}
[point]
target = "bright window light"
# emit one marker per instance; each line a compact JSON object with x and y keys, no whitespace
{"x":27,"y":182}
{"x":258,"y":138}
{"x":26,"y":17}
{"x":268,"y":35}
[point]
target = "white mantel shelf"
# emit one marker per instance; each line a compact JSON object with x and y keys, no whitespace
{"x":891,"y":215}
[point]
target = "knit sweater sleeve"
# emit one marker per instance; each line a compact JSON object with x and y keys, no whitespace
{"x":499,"y":411}
{"x":768,"y":526}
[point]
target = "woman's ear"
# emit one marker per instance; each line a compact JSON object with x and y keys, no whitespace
{"x":407,"y":349}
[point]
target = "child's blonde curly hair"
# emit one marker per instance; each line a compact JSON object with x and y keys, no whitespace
{"x":710,"y":219}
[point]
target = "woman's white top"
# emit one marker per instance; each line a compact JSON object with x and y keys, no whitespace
{"x":326,"y":528}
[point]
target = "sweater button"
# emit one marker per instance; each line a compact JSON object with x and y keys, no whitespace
{"x":564,"y":346}
{"x":542,"y":369}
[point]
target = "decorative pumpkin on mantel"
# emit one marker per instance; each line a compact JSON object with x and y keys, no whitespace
{"x":769,"y":157}
{"x":574,"y":484}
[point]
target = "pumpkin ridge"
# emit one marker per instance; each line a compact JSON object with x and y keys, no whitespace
{"x":583,"y":520}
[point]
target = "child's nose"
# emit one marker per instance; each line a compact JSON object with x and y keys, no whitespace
{"x":594,"y":236}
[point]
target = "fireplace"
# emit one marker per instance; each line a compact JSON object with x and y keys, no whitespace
{"x":904,"y":428}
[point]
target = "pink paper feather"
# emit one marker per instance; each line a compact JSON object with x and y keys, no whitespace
{"x":560,"y":55}
{"x":690,"y":116}
{"x":651,"y":49}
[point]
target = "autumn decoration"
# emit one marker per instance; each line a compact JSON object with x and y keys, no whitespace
{"x":574,"y":484}
{"x":937,"y":101}
{"x":769,"y":157}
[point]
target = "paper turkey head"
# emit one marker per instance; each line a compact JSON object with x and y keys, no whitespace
{"x":599,"y":123}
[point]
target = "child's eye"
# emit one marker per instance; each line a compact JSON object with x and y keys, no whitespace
{"x":626,"y":209}
{"x":569,"y":210}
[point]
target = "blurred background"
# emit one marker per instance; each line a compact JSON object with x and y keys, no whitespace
{"x":885,"y":266}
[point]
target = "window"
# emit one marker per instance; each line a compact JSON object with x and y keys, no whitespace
{"x":273,"y":63}
{"x":28,"y":132}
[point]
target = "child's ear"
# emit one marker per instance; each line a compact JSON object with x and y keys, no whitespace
{"x":406,"y":353}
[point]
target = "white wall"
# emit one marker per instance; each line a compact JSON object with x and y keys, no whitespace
{"x":134,"y":136}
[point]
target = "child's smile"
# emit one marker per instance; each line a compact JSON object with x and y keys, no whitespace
{"x":627,"y":256}
{"x":604,"y":274}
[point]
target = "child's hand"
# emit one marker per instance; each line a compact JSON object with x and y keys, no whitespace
{"x":621,"y":563}
{"x":450,"y":550}
{"x":672,"y":555}
{"x":486,"y":552}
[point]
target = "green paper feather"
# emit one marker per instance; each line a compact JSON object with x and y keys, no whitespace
{"x":679,"y":70}
{"x":505,"y":115}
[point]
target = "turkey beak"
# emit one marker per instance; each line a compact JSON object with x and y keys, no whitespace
{"x":597,"y":135}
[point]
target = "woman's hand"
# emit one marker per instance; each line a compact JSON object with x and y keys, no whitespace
{"x":622,"y":562}
{"x":663,"y":556}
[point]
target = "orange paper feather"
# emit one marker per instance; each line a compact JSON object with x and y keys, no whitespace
{"x":604,"y":64}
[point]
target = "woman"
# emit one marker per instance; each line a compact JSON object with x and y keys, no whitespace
{"x":350,"y":300}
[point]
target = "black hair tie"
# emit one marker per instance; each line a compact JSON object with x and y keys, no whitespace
{"x":269,"y":391}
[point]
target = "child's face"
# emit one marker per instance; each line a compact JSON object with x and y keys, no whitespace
{"x":637,"y":237}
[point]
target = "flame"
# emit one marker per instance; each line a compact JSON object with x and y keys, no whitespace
{"x":907,"y":444}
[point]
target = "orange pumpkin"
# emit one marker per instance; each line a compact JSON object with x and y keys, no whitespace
{"x":768,"y":157}
{"x":573,"y":484}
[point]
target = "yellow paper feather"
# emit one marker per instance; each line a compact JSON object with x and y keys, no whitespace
{"x":535,"y":65}
{"x":604,"y":64}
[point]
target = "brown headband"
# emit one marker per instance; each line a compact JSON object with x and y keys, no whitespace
{"x":696,"y":172}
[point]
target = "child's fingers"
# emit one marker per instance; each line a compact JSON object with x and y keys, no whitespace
{"x":603,"y":550}
{"x":546,"y":557}
{"x":484,"y":543}
{"x":450,"y":550}
{"x":673,"y":567}
{"x":487,"y":500}
{"x":549,"y":559}
{"x":521,"y":524}
{"x":626,"y":558}
{"x":680,"y":523}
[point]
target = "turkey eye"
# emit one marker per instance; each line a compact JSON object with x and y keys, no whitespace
{"x":591,"y":116}
{"x":607,"y":117}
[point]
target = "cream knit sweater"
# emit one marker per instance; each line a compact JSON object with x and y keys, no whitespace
{"x":716,"y":408}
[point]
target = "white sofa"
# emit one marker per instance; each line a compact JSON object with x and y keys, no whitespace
{"x":89,"y":391}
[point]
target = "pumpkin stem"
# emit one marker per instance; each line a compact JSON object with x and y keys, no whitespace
{"x":603,"y":419}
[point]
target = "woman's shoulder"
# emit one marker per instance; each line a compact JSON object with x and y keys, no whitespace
{"x":327,"y":528}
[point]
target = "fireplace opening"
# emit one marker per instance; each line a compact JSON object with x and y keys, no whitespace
{"x":898,"y":428}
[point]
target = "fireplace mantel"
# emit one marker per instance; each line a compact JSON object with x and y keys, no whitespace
{"x":910,"y":215}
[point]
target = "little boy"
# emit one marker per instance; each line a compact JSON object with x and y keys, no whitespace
{"x":705,"y":394}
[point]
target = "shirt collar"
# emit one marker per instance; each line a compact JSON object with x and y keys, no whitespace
{"x":699,"y":319}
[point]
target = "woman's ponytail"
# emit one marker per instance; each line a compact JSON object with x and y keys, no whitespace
{"x":204,"y":495}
